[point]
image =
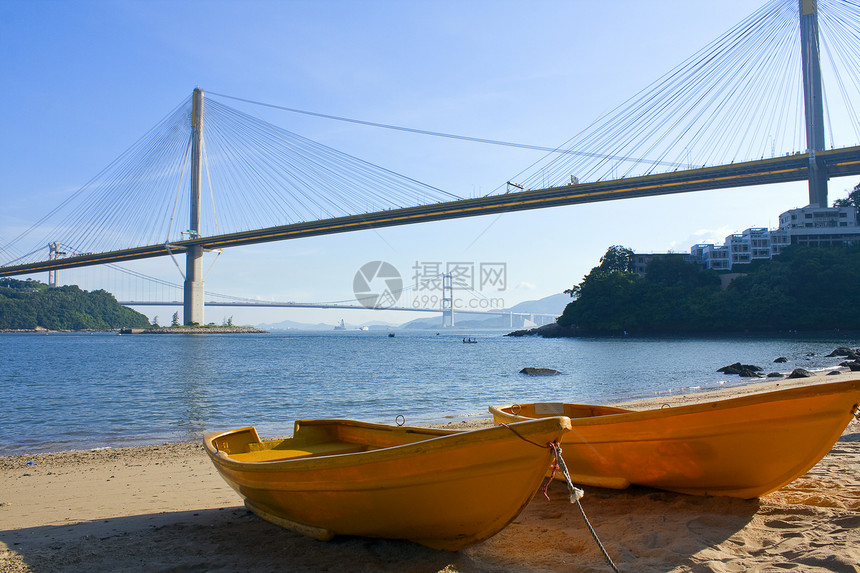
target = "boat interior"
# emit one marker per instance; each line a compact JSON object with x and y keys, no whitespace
{"x":544,"y":409}
{"x":313,"y":438}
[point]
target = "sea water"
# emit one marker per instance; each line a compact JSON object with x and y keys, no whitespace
{"x":63,"y":391}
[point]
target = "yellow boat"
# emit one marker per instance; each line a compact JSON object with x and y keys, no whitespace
{"x":741,"y":447}
{"x":445,"y":489}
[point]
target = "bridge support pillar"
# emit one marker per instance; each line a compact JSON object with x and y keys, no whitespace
{"x":193,"y":296}
{"x":193,"y":303}
{"x":813,"y":100}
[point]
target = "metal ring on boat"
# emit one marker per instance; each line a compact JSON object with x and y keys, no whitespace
{"x":400,"y":419}
{"x":666,"y":405}
{"x":515,"y":409}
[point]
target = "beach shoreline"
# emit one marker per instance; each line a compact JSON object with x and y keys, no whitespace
{"x":164,"y":508}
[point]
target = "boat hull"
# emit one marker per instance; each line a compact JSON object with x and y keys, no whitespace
{"x":446,"y":490}
{"x":743,"y":447}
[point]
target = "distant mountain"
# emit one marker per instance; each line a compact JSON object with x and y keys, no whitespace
{"x":553,"y":304}
{"x":292,"y":325}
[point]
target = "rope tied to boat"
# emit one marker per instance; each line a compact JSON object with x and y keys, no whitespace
{"x":558,"y":465}
{"x":575,"y":493}
{"x":856,"y":411}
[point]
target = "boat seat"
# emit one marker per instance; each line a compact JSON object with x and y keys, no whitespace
{"x":309,"y":450}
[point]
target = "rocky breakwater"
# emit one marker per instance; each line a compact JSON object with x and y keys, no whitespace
{"x":193,"y":330}
{"x":752,"y":371}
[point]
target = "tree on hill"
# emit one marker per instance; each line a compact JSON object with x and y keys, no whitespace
{"x":617,"y":259}
{"x":853,"y":200}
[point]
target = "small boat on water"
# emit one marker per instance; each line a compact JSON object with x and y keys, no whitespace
{"x":445,"y":489}
{"x":741,"y":447}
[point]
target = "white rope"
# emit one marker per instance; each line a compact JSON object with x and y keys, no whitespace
{"x":575,"y":495}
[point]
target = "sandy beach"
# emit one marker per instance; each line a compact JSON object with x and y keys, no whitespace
{"x":164,"y":508}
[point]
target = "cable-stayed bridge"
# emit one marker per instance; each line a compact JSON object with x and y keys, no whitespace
{"x":755,"y":106}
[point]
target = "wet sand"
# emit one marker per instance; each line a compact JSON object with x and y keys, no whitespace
{"x":164,"y":508}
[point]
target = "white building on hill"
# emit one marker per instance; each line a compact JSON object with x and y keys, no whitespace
{"x":811,"y":225}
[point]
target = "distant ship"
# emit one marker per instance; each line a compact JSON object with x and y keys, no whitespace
{"x":340,"y":326}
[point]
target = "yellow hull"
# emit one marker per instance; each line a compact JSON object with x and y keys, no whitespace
{"x":742,"y":447}
{"x":440,"y":488}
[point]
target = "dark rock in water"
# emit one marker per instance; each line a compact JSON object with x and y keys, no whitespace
{"x":774,"y":375}
{"x":800,"y":373}
{"x":539,"y":371}
{"x":744,"y":370}
{"x":551,"y":330}
{"x":834,"y":373}
{"x":781,"y":359}
{"x":851,"y":354}
{"x":854,"y":366}
{"x":525,"y":332}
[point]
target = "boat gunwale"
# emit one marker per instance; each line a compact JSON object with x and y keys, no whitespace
{"x":773,"y":396}
{"x":450,"y":440}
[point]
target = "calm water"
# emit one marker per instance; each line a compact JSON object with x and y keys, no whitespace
{"x":77,"y":391}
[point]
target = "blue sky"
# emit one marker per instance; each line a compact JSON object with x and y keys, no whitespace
{"x":83,"y":80}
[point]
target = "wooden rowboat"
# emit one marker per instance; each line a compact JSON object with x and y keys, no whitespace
{"x":444,"y":489}
{"x":742,"y":447}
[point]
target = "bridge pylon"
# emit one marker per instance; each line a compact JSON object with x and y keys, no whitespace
{"x":813,"y":101}
{"x":54,"y":253}
{"x":447,"y":301}
{"x":193,"y":296}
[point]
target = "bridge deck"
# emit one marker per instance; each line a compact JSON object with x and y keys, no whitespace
{"x":836,"y":162}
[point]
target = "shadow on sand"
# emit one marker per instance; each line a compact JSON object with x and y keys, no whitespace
{"x":643,"y":530}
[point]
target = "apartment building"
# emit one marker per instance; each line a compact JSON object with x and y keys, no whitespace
{"x":810,"y":225}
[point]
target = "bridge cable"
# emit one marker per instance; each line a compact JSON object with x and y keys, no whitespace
{"x":428,"y":132}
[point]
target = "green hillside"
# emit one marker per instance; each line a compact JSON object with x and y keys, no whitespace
{"x":804,"y":288}
{"x":29,"y":304}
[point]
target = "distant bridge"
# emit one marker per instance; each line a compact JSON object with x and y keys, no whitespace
{"x":536,"y":317}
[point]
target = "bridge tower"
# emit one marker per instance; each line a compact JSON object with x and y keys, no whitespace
{"x":193,"y":299}
{"x":54,"y":253}
{"x":813,"y":100}
{"x":447,"y":301}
